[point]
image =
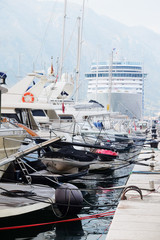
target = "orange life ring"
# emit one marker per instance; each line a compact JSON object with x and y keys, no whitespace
{"x":28,"y":97}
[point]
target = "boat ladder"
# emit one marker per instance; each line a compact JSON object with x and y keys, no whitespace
{"x":24,"y":170}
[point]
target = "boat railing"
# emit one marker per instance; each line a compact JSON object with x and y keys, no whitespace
{"x":59,"y":125}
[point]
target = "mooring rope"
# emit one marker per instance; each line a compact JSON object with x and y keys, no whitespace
{"x":105,"y":214}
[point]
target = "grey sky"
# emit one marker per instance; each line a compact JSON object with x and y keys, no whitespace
{"x":132,"y":13}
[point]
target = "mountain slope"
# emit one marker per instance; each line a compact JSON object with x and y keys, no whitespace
{"x":32,"y":32}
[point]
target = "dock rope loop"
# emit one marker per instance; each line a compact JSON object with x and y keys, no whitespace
{"x":131,"y":188}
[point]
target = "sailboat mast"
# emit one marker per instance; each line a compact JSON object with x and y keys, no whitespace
{"x":82,"y":26}
{"x":110,"y":82}
{"x":80,"y":31}
{"x":78,"y":60}
{"x":63,"y":37}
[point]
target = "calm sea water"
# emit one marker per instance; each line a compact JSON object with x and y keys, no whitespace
{"x":97,"y":200}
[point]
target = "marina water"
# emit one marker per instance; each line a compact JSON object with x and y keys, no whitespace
{"x":97,"y":200}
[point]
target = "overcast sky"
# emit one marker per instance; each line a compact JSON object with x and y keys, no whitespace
{"x":130,"y":12}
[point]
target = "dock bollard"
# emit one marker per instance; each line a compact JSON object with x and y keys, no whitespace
{"x":152,"y":166}
{"x":151,"y":184}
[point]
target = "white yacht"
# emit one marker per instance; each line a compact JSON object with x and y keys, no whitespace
{"x":26,"y":103}
{"x":118,"y":85}
{"x":11,"y":137}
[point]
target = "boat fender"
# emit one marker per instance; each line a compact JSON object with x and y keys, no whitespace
{"x":69,"y":199}
{"x":28,"y":97}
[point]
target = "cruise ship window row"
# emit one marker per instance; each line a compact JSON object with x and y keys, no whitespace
{"x":116,"y":80}
{"x":124,"y":88}
{"x":115,"y":71}
{"x":114,"y":83}
{"x":113,"y":75}
{"x":115,"y":87}
{"x":116,"y":67}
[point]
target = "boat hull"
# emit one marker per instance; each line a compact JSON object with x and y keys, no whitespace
{"x":9,"y":144}
{"x":14,"y":206}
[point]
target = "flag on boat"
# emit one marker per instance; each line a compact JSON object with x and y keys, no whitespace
{"x":52,"y":70}
{"x":63,"y":107}
{"x":135,"y":128}
{"x":3,"y":77}
{"x":56,"y":78}
{"x":64,"y":93}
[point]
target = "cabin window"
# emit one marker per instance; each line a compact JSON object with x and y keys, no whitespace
{"x":38,"y":113}
{"x":11,"y":116}
{"x":66,"y":117}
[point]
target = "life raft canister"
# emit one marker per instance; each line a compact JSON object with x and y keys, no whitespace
{"x":28,"y":97}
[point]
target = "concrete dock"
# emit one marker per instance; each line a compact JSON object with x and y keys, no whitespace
{"x":137,"y":218}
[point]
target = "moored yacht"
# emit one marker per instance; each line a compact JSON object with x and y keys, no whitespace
{"x":11,"y":137}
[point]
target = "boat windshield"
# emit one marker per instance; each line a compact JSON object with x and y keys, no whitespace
{"x":38,"y":113}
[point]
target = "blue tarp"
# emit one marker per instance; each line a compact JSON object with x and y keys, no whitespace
{"x":98,"y":125}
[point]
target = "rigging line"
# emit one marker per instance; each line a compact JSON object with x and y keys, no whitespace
{"x":69,"y":42}
{"x":99,"y":205}
{"x":88,"y":204}
{"x":30,"y":157}
{"x":63,"y":127}
{"x":5,"y":147}
{"x":102,"y":179}
{"x":122,"y":167}
{"x":41,"y":199}
{"x":45,"y":33}
{"x":104,"y":231}
{"x":4,"y":189}
{"x":128,"y":158}
{"x":14,"y":140}
{"x":135,"y":161}
{"x":41,"y":174}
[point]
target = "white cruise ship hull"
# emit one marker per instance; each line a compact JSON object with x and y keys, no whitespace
{"x":126,"y":103}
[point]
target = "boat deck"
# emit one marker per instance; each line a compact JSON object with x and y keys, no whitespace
{"x":29,"y":198}
{"x":137,"y":218}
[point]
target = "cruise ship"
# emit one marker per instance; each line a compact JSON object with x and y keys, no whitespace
{"x":118,"y":86}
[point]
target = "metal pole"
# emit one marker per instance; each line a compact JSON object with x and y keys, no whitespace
{"x":78,"y":60}
{"x":110,"y":82}
{"x":62,"y":50}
